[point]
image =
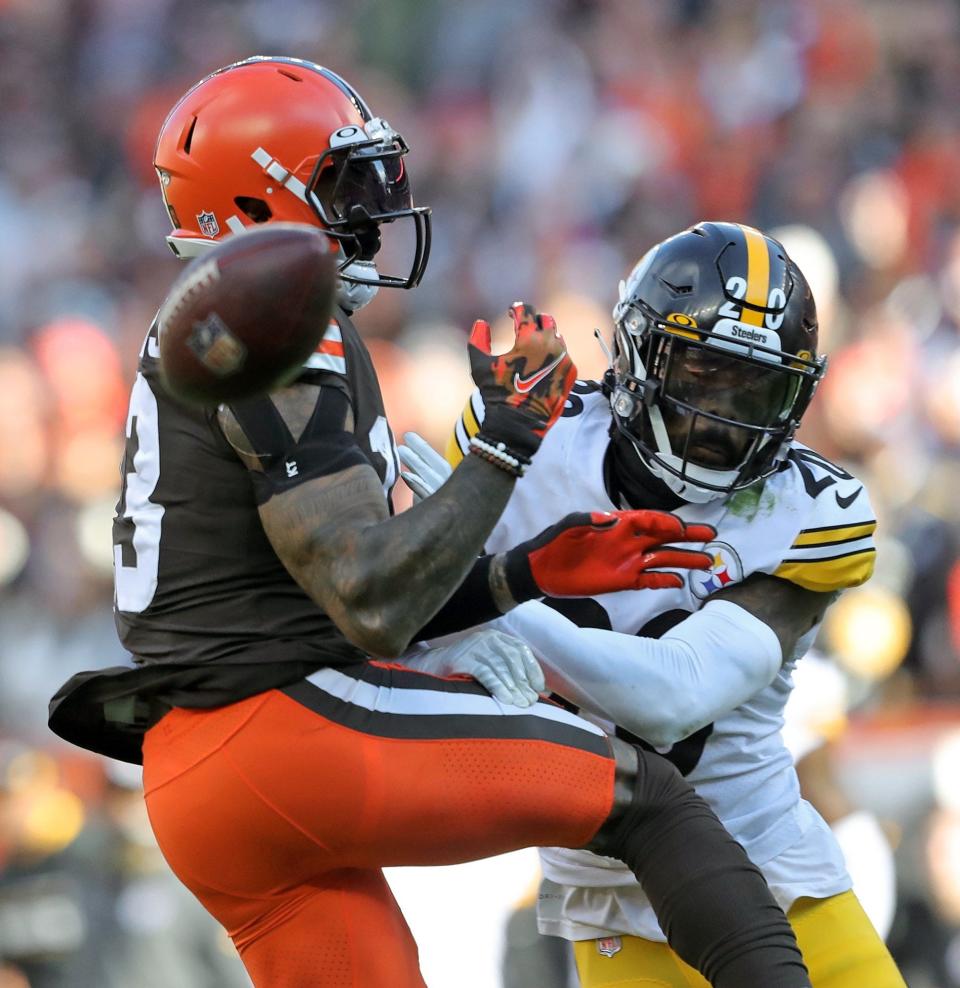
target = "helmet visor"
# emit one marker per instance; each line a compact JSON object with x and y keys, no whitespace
{"x":718,"y":408}
{"x":363,"y":184}
{"x":355,"y":190}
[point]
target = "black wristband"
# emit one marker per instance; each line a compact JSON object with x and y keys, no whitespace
{"x":513,"y":427}
{"x":519,"y":575}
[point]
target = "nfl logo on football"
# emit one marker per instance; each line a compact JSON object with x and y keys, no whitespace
{"x":208,"y":224}
{"x":216,"y":347}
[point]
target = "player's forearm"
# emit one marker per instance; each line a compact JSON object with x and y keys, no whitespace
{"x":659,"y":689}
{"x":397,"y":574}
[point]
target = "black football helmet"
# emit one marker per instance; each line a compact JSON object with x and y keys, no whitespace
{"x":715,"y":358}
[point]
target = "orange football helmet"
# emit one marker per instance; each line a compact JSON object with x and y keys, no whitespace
{"x":283,"y":139}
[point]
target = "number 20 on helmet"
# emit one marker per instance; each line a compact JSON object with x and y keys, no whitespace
{"x":715,"y":358}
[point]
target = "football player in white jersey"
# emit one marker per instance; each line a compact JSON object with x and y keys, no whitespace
{"x":714,"y":363}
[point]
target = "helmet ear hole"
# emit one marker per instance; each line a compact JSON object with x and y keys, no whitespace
{"x":256,"y":209}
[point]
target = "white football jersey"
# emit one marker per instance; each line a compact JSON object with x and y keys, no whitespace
{"x":811,"y":523}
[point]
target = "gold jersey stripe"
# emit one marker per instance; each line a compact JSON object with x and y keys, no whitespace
{"x":824,"y":575}
{"x":453,"y":453}
{"x":827,"y":536}
{"x":470,"y":422}
{"x":758,"y":275}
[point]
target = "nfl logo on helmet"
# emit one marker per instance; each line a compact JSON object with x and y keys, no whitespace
{"x":208,"y":224}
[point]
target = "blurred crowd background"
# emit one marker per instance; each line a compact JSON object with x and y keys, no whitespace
{"x":555,"y":140}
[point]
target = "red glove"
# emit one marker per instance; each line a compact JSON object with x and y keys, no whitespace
{"x":523,"y":390}
{"x":605,"y":551}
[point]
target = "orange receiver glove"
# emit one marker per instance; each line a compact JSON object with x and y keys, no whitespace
{"x":523,"y":390}
{"x":586,"y":554}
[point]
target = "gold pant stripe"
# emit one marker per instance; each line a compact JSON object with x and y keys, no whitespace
{"x":840,"y":946}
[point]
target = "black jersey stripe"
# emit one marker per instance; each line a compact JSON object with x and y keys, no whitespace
{"x":806,"y":561}
{"x":836,"y":528}
{"x":537,"y":723}
{"x":829,"y":542}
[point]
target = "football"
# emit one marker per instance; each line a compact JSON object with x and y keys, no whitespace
{"x":244,"y":317}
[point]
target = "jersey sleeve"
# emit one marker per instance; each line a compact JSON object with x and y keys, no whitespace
{"x":468,"y":425}
{"x":325,"y":445}
{"x":835,"y":549}
{"x":329,"y":356}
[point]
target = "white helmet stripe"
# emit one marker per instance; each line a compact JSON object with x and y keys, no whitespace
{"x":282,"y":176}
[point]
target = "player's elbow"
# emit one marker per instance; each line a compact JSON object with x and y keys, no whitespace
{"x":373,"y":637}
{"x":374,"y":629}
{"x":667,"y":735}
{"x":667,"y":726}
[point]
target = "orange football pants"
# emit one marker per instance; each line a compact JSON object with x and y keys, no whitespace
{"x":279,"y":812}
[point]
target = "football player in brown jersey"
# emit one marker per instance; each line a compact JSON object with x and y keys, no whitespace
{"x":262,"y":580}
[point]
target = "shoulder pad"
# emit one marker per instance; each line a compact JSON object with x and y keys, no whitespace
{"x":835,"y":548}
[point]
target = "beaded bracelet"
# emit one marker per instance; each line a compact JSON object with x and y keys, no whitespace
{"x":499,"y":455}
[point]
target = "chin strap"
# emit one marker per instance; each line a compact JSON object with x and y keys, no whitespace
{"x":354,"y":295}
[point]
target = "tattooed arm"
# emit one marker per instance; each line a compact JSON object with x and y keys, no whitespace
{"x":379,"y":578}
{"x":383,"y":580}
{"x":788,"y":610}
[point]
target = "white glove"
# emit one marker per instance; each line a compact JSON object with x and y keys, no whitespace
{"x":425,"y":469}
{"x":500,"y":663}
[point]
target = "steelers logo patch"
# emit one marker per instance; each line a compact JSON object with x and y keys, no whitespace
{"x":726,"y":569}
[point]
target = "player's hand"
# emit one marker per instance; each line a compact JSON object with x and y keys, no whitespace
{"x":423,"y":469}
{"x":604,"y":551}
{"x":523,"y":390}
{"x":501,"y":663}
